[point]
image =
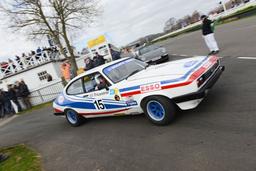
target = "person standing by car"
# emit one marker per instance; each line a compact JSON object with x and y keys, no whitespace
{"x":98,"y":60}
{"x":2,"y":113}
{"x":8,"y":109}
{"x":14,"y":97}
{"x":88,"y":64}
{"x":65,"y":70}
{"x":25,"y":94}
{"x":115,"y":54}
{"x":18,"y":92}
{"x":208,"y":35}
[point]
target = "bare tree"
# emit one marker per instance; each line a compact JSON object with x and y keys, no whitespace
{"x":57,"y":18}
{"x":169,"y":24}
{"x":195,"y":17}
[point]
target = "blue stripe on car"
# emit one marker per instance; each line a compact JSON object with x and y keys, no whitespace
{"x":111,"y":106}
{"x":81,"y":105}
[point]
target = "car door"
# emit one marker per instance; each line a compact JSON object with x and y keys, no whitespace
{"x":103,"y":99}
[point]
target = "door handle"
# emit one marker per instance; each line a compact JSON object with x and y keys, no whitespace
{"x":85,"y":95}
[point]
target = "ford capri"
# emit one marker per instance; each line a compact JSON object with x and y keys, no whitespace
{"x":129,"y":86}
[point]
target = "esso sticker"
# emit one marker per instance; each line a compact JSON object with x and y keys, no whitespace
{"x":60,"y":99}
{"x":150,"y":87}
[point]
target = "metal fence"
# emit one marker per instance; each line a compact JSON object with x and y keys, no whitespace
{"x":12,"y":67}
{"x":47,"y":93}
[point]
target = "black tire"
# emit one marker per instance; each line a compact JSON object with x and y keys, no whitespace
{"x":163,"y":104}
{"x":73,"y":118}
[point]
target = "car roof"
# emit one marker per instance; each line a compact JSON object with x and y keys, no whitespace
{"x":101,"y":67}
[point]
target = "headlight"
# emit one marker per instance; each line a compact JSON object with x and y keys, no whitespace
{"x":163,"y":50}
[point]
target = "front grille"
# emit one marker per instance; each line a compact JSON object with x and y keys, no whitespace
{"x":208,"y":74}
{"x":211,"y":70}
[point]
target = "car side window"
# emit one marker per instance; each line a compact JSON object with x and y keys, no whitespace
{"x":76,"y":88}
{"x":94,"y":82}
{"x":89,"y":83}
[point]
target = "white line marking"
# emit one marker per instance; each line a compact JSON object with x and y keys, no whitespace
{"x":6,"y":121}
{"x":247,"y":58}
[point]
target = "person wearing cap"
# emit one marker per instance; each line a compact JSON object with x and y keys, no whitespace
{"x":208,"y":35}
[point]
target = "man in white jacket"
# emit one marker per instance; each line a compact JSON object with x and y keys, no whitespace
{"x":208,"y":35}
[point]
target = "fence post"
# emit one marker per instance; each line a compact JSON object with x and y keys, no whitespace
{"x":40,"y":95}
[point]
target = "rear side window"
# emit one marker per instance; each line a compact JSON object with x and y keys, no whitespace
{"x":76,"y":88}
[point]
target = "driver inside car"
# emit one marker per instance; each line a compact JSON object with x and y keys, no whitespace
{"x":101,"y":83}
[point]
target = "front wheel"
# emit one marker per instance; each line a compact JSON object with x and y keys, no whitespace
{"x":159,"y":110}
{"x":73,"y":118}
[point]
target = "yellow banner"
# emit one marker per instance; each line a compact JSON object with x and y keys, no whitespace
{"x":94,"y":42}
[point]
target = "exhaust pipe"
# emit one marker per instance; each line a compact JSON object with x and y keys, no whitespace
{"x":222,"y":68}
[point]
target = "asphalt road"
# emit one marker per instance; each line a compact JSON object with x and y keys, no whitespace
{"x":234,"y":39}
{"x":218,"y":135}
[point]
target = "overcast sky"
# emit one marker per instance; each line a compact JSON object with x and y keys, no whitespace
{"x":122,"y":22}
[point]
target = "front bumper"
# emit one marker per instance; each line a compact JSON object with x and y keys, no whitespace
{"x":203,"y":91}
{"x":58,"y":112}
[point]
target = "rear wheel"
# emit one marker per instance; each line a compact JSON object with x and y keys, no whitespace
{"x":73,"y":118}
{"x":159,"y":110}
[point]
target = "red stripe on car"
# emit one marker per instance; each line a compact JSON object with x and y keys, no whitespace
{"x":192,"y":78}
{"x":57,"y":110}
{"x":103,"y":113}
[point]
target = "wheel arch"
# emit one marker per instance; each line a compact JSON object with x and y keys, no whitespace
{"x":69,"y":108}
{"x":144,"y":99}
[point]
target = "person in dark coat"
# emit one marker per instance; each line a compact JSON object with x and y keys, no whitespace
{"x":8,"y":109}
{"x":13,"y":97}
{"x":98,"y":60}
{"x":18,"y":92}
{"x":115,"y":55}
{"x":208,"y":35}
{"x":2,"y":114}
{"x":23,"y":88}
{"x":88,"y":64}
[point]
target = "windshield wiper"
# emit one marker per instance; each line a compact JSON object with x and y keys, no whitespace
{"x":147,"y":66}
{"x":134,"y":72}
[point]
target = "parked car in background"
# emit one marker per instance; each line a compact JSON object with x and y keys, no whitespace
{"x":152,"y":54}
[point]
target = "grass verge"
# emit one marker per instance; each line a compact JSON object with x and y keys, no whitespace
{"x":35,"y":108}
{"x":21,"y":158}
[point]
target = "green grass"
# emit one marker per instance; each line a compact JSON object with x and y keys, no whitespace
{"x":35,"y":108}
{"x":21,"y":158}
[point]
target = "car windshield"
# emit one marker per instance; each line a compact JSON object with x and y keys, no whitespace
{"x":147,"y":49}
{"x":124,"y":69}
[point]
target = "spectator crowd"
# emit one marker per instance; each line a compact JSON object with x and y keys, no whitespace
{"x":99,"y":59}
{"x":69,"y":73}
{"x":30,"y":59}
{"x":16,"y":95}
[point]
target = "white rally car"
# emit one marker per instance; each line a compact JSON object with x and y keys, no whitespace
{"x":129,"y":86}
